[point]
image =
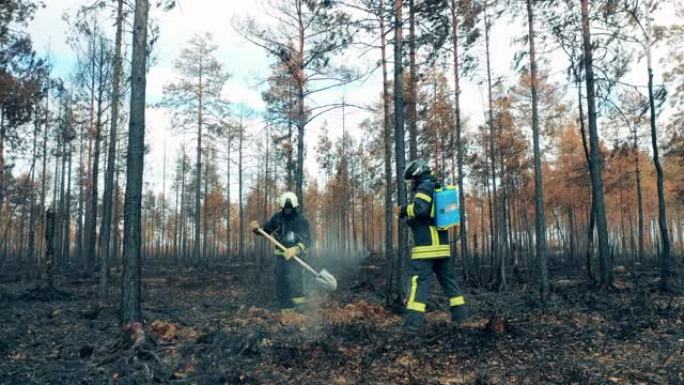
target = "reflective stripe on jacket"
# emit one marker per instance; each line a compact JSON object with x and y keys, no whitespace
{"x":429,"y":243}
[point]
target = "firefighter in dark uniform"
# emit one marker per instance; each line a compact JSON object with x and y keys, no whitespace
{"x":430,"y":253}
{"x":291,"y":229}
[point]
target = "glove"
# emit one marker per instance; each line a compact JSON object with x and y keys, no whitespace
{"x":291,"y":252}
{"x":399,"y":211}
{"x":254,"y":226}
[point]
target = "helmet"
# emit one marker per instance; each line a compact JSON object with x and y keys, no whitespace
{"x":288,"y":197}
{"x":416,"y":168}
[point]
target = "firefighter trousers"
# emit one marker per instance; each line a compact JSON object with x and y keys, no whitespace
{"x":289,"y":284}
{"x":421,"y":277}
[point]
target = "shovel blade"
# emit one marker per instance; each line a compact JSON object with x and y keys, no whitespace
{"x":326,"y":279}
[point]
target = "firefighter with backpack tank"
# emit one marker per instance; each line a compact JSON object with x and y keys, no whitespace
{"x":431,"y":251}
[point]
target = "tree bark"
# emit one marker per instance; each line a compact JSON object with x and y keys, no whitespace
{"x":32,"y":204}
{"x":301,"y":117}
{"x":198,"y":171}
{"x":459,"y":142}
{"x":595,"y":153}
{"x":241,"y":206}
{"x":412,"y":113}
{"x":131,"y":288}
{"x":66,"y":232}
{"x":640,"y":205}
{"x":91,"y":227}
{"x":495,"y":207}
{"x":399,"y":149}
{"x":540,"y":222}
{"x":107,"y":201}
{"x":666,"y":262}
{"x":228,"y":235}
{"x":387,"y":136}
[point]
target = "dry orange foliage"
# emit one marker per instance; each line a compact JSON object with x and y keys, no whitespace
{"x":360,"y":310}
{"x":168,"y":331}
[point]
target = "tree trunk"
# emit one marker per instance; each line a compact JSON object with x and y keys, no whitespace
{"x":92,"y":225}
{"x":241,"y":206}
{"x":107,"y":201}
{"x":585,"y":147}
{"x":595,"y":154}
{"x":666,"y":260}
{"x":640,"y":205}
{"x":89,"y":257}
{"x":62,"y":214}
{"x":387,"y":136}
{"x":539,"y":220}
{"x":205,"y":228}
{"x":184,"y":211}
{"x":49,"y":247}
{"x":495,"y":209}
{"x":399,"y":150}
{"x":198,"y":170}
{"x":412,"y":113}
{"x":131,"y":287}
{"x":228,"y":243}
{"x":2,"y":159}
{"x":66,"y":232}
{"x":32,"y":205}
{"x":79,"y":214}
{"x":460,"y":149}
{"x":43,"y":186}
{"x":301,"y":117}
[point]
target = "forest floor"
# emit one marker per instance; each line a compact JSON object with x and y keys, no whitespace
{"x":219,"y":328}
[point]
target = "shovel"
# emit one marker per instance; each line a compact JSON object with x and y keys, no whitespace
{"x":323,"y":277}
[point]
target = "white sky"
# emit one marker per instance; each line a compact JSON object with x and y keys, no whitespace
{"x":248,"y":65}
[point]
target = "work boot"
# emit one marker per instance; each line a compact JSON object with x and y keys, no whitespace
{"x":459,"y":313}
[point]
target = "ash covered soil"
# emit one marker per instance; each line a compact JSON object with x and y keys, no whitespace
{"x":220,"y":328}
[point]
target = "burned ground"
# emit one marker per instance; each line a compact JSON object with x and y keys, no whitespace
{"x":217,"y":328}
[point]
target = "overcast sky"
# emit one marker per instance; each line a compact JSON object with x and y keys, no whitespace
{"x":248,"y":65}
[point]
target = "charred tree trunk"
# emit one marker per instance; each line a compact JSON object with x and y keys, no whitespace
{"x":539,"y":220}
{"x":463,"y":234}
{"x":666,"y":260}
{"x":399,"y":150}
{"x":241,"y":206}
{"x":107,"y":201}
{"x":198,"y":171}
{"x":387,"y":136}
{"x":228,"y":213}
{"x":32,"y":203}
{"x":131,"y":283}
{"x":595,"y":153}
{"x":412,"y":113}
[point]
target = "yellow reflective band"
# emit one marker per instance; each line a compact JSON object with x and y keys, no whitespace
{"x":299,"y":300}
{"x":409,"y":211}
{"x":301,"y":246}
{"x":427,"y":252}
{"x":424,"y":197}
{"x":434,"y":235}
{"x":279,"y":252}
{"x":456,"y":301}
{"x":412,"y":304}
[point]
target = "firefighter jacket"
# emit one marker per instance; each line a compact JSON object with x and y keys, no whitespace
{"x":428,"y":241}
{"x":290,"y":230}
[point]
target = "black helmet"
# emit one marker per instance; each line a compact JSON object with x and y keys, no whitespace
{"x":416,"y":168}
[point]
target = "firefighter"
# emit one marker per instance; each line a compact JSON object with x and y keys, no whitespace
{"x":430,"y":253}
{"x":291,"y":229}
